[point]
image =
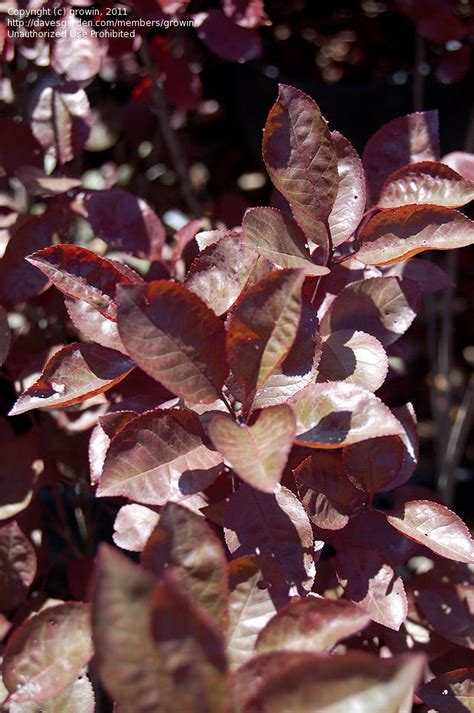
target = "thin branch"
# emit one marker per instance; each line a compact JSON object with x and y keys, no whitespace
{"x":170,"y":137}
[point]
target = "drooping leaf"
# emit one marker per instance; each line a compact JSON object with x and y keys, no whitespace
{"x":61,"y":118}
{"x":313,"y":624}
{"x":356,"y":681}
{"x":257,"y":590}
{"x":349,"y":205}
{"x":435,"y":527}
{"x":373,"y":464}
{"x":353,"y":357}
{"x":159,"y":456}
{"x":399,"y":233}
{"x":428,"y":182}
{"x":80,"y":273}
{"x":78,"y":698}
{"x":17,"y":565}
{"x":299,"y":367}
{"x":47,"y":653}
{"x":192,"y":663}
{"x":133,"y":526}
{"x":276,"y":236}
{"x":184,"y":541}
{"x":275,"y":524}
{"x":371,"y":582}
{"x":219,"y":273}
{"x":327,"y":495}
{"x":449,"y":610}
{"x":227,"y":39}
{"x":382,"y":306}
{"x":257,"y":453}
{"x":5,"y":336}
{"x":125,"y":222}
{"x":338,"y":414}
{"x":74,"y":373}
{"x":121,"y":621}
{"x":175,"y":338}
{"x":76,"y":53}
{"x":451,"y":692}
{"x":407,"y":139}
{"x":263,"y":326}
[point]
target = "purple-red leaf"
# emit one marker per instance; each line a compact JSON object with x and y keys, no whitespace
{"x":451,"y":692}
{"x":355,"y":358}
{"x":263,"y":326}
{"x":5,"y":336}
{"x":184,"y":541}
{"x":462,"y":162}
{"x":276,"y":236}
{"x":428,"y":276}
{"x":80,"y":273}
{"x":409,"y":438}
{"x":338,"y":414}
{"x":74,"y":373}
{"x":227,"y":39}
{"x":133,"y":526}
{"x":159,"y":456}
{"x":449,"y":610}
{"x":47,"y":653}
{"x":313,"y":624}
{"x":428,"y":182}
{"x":382,"y":306}
{"x":17,"y":565}
{"x":276,"y":525}
{"x":373,"y":464}
{"x":349,"y":205}
{"x":407,"y":139}
{"x":435,"y":527}
{"x":38,"y":183}
{"x":107,"y":426}
{"x":257,"y":453}
{"x":175,"y":338}
{"x":246,"y":13}
{"x":76,"y":54}
{"x":21,"y":147}
{"x":399,"y":233}
{"x":94,"y":326}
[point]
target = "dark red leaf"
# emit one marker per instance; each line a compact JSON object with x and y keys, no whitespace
{"x":38,"y":183}
{"x":5,"y":336}
{"x":226,"y":39}
{"x":17,"y":566}
{"x":449,"y":609}
{"x":452,"y":692}
{"x":406,"y":416}
{"x":427,"y":275}
{"x":374,"y":464}
{"x":18,"y":146}
{"x":107,"y":426}
{"x":349,"y":205}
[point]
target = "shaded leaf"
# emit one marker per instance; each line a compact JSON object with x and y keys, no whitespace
{"x":80,"y":273}
{"x":427,"y":275}
{"x":382,"y":306}
{"x":449,"y":610}
{"x":339,"y":414}
{"x":192,"y":663}
{"x":175,"y":338}
{"x":219,"y":274}
{"x":76,"y":53}
{"x":17,"y":565}
{"x":38,"y":183}
{"x":326,"y":493}
{"x":369,"y":581}
{"x":262,"y":328}
{"x":159,"y":456}
{"x":121,"y":620}
{"x":275,"y":524}
{"x":409,"y":438}
{"x":313,"y":624}
{"x":436,"y":527}
{"x":47,"y":653}
{"x":74,"y":373}
{"x":399,"y":233}
{"x":133,"y":526}
{"x":276,"y":236}
{"x":428,"y":182}
{"x":452,"y":692}
{"x":257,"y":453}
{"x":61,"y":118}
{"x":184,"y":541}
{"x":21,"y":457}
{"x":407,"y":139}
{"x":225,"y":38}
{"x":5,"y":336}
{"x":21,"y":149}
{"x":355,"y":358}
{"x":373,"y":464}
{"x":349,"y":205}
{"x":301,"y":160}
{"x":257,"y":590}
{"x":125,"y":222}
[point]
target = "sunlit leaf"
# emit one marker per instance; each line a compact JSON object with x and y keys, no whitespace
{"x":76,"y":53}
{"x":313,"y":624}
{"x":184,"y":541}
{"x":274,"y":524}
{"x":74,"y":373}
{"x":78,"y":698}
{"x":106,"y":428}
{"x":92,"y":325}
{"x":175,"y":338}
{"x":435,"y":527}
{"x":47,"y":653}
{"x":159,"y":456}
{"x":133,"y":526}
{"x":338,"y":414}
{"x":257,"y":453}
{"x":399,"y":233}
{"x":17,"y":566}
{"x":355,"y":358}
{"x":349,"y":205}
{"x":428,"y":182}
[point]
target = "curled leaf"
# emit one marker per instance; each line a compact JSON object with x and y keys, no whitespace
{"x":428,"y":182}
